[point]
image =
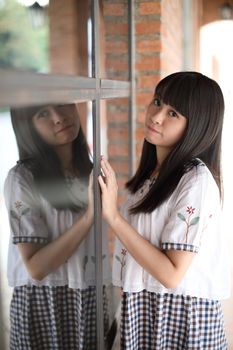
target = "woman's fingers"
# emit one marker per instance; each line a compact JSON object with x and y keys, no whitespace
{"x":101,"y":182}
{"x":104,"y":167}
{"x":107,"y":169}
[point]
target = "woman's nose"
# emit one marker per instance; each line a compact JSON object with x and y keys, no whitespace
{"x":157,"y":117}
{"x":58,"y":118}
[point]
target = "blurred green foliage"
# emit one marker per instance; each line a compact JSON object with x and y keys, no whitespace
{"x":22,"y":45}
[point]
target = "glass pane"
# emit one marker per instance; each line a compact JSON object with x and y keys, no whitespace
{"x":115,"y":147}
{"x":53,"y":36}
{"x":24,"y":36}
{"x":46,"y":212}
{"x":56,"y":37}
{"x":70,"y":37}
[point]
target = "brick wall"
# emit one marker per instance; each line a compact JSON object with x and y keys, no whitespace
{"x":115,"y":17}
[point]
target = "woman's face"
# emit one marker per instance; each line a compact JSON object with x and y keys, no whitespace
{"x":164,"y":126}
{"x":57,"y":125}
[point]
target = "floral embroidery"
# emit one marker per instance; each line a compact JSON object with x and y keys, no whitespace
{"x":122,"y":260}
{"x":190,"y":210}
{"x":93,"y":258}
{"x":18,"y":204}
{"x":18,"y":213}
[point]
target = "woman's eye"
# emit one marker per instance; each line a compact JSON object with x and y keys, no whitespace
{"x":173,"y":114}
{"x":157,"y":102}
{"x":43,"y":114}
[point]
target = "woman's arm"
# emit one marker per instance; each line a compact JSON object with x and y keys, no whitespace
{"x":40,"y":260}
{"x":168,"y":267}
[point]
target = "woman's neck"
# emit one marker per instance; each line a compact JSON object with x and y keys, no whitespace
{"x":161,"y":154}
{"x":64,"y":153}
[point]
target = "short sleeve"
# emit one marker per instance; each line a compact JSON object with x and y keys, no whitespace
{"x":195,"y":202}
{"x":23,"y":205}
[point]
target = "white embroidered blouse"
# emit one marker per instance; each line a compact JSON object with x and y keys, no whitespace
{"x":33,"y":219}
{"x":189,"y":220}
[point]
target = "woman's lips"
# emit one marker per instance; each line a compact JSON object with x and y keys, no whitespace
{"x":63,"y":129}
{"x":153,"y":130}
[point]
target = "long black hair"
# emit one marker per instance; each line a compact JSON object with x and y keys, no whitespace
{"x":43,"y":162}
{"x":201,"y":101}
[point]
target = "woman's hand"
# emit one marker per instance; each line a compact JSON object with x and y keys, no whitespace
{"x":109,"y":191}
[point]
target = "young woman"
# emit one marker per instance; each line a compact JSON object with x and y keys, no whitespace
{"x":170,"y":258}
{"x":51,"y":253}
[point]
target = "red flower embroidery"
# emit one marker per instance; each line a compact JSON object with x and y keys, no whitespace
{"x":188,"y":220}
{"x":190,"y":210}
{"x":18,"y":204}
{"x":122,"y":260}
{"x":123,"y":251}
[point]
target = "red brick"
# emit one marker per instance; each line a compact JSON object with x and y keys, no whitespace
{"x":148,"y":46}
{"x":140,"y":134}
{"x":116,"y":46}
{"x":116,"y":28}
{"x":118,"y":117}
{"x":147,"y":8}
{"x":118,"y":133}
{"x":114,"y":9}
{"x":118,"y":102}
{"x":148,"y":63}
{"x":116,"y":63}
{"x":120,"y":166}
{"x":118,"y":149}
{"x":148,"y":81}
{"x":148,"y":27}
{"x":143,"y":99}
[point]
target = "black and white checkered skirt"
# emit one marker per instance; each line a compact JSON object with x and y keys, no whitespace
{"x":51,"y":318}
{"x":153,"y":321}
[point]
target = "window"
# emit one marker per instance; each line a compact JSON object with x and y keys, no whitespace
{"x":94,"y":68}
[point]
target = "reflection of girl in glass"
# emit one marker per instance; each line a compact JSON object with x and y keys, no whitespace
{"x":51,"y":253}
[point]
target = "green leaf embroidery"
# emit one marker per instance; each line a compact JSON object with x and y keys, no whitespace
{"x":181,"y":216}
{"x":117,"y":257}
{"x":14,"y":214}
{"x":25,"y":211}
{"x":194,"y":221}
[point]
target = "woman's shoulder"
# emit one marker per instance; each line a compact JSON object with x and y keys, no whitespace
{"x":19,"y":170}
{"x":198,"y":171}
{"x":198,"y":179}
{"x":19,"y":173}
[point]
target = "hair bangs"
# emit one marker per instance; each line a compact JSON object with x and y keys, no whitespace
{"x":176,"y":90}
